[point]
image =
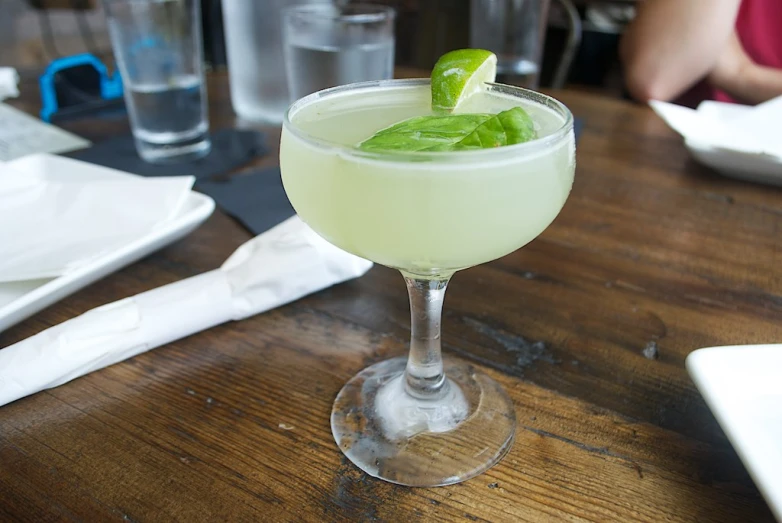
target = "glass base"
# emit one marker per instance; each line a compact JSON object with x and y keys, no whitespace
{"x":178,"y":152}
{"x":394,"y":436}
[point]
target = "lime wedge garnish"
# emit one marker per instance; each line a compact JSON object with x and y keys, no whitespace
{"x":458,"y":74}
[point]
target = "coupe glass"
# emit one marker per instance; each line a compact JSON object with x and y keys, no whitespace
{"x":422,"y":420}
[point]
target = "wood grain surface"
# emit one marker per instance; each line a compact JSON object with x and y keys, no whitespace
{"x":587,"y":328}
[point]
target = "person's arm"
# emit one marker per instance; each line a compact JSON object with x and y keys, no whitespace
{"x":672,"y":44}
{"x":743,"y":79}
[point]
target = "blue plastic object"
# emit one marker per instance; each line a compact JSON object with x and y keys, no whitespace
{"x":110,"y":85}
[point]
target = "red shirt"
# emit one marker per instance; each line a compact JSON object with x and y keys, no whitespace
{"x":759,"y":28}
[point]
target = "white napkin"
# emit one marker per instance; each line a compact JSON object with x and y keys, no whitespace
{"x":744,"y":129}
{"x":55,"y":216}
{"x":277,"y":267}
{"x":8,"y":83}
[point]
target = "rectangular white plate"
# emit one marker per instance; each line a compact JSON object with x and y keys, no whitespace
{"x":20,"y":300}
{"x":743,"y":387}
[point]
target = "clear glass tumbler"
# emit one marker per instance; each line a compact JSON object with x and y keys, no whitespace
{"x":514,"y":30}
{"x":256,"y":68}
{"x":158,"y":48}
{"x":328,"y":45}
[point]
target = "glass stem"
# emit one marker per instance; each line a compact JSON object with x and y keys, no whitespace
{"x":424,"y":376}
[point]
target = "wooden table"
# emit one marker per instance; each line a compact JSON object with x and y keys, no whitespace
{"x":651,"y":251}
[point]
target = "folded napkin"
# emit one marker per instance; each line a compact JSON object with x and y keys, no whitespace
{"x":9,"y":79}
{"x":277,"y":267}
{"x":57,"y":216}
{"x":744,"y":129}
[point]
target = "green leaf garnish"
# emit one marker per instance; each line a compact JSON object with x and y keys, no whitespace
{"x":454,"y":132}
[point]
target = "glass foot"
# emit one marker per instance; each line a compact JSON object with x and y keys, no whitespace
{"x":394,"y":436}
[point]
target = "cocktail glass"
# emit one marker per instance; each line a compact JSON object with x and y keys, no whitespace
{"x":423,"y":420}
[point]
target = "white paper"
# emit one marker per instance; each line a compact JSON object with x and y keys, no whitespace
{"x":52,"y":223}
{"x":762,"y":123}
{"x":22,"y":134}
{"x":113,"y":333}
{"x":722,"y":111}
{"x":749,"y":130}
{"x":285,"y":263}
{"x":9,"y":80}
{"x":279,"y":266}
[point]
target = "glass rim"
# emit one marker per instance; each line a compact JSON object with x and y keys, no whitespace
{"x":402,"y":156}
{"x":350,"y":13}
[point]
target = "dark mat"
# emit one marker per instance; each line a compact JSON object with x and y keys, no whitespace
{"x":256,"y":199}
{"x":231,"y":148}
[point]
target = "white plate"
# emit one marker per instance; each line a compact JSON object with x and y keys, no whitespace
{"x":759,"y":168}
{"x":743,"y":387}
{"x":709,"y":136}
{"x":20,"y":300}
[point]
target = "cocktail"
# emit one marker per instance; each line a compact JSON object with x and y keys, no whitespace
{"x":427,"y":177}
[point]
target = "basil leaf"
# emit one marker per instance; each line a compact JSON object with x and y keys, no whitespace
{"x":454,"y":132}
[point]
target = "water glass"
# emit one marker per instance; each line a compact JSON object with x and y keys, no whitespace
{"x":329,"y":45}
{"x":158,"y":48}
{"x":256,"y":68}
{"x":514,"y":30}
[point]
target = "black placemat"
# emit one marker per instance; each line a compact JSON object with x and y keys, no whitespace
{"x":231,"y":148}
{"x":257,"y":198}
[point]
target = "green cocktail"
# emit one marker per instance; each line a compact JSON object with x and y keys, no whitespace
{"x":417,"y":421}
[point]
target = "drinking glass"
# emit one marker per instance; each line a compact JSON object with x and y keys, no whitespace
{"x":329,"y":45}
{"x":256,"y":68}
{"x":158,"y":48}
{"x":514,"y":30}
{"x":422,"y":420}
